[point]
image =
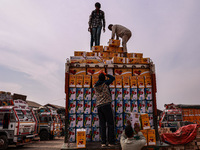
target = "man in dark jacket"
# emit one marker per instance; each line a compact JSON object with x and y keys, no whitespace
{"x":104,"y":108}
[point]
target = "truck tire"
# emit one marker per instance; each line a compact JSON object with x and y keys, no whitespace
{"x":51,"y":137}
{"x":44,"y":136}
{"x":3,"y":142}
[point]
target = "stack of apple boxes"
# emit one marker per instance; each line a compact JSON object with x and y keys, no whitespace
{"x":131,"y":91}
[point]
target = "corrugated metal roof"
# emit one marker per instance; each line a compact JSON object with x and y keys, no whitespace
{"x":188,"y":106}
{"x":33,"y":104}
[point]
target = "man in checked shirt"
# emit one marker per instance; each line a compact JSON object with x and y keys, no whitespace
{"x":96,"y":22}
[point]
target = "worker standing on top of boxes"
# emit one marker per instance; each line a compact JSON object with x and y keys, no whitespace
{"x":95,"y":24}
{"x":122,"y":32}
{"x":104,"y":108}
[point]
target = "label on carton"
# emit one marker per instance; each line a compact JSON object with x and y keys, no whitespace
{"x":91,"y":54}
{"x":126,"y":93}
{"x":72,"y":107}
{"x":133,"y":81}
{"x":87,"y":94}
{"x":127,"y":106}
{"x":138,"y":55}
{"x":140,"y":93}
{"x":142,"y":106}
{"x":79,"y":120}
{"x":87,"y":106}
{"x":145,"y":60}
{"x":119,"y":119}
{"x":93,"y":94}
{"x":94,"y":80}
{"x":87,"y":120}
{"x":94,"y":71}
{"x":119,"y":60}
{"x":141,"y":72}
{"x":126,"y":81}
{"x":94,"y":108}
{"x":97,"y":48}
{"x":95,"y":120}
{"x":72,"y":134}
{"x":144,"y":132}
{"x":151,"y":137}
{"x":72,"y":81}
{"x":93,"y":60}
{"x":77,"y":71}
{"x":133,"y":60}
{"x":145,"y":121}
{"x":113,"y":106}
{"x":72,"y":120}
{"x":115,"y":43}
{"x":87,"y":81}
{"x":149,"y":106}
{"x":110,"y":49}
{"x":134,"y":106}
{"x":133,"y":95}
{"x":77,"y":59}
{"x":79,"y":93}
{"x":81,"y":138}
{"x":119,"y":131}
{"x":112,"y":91}
{"x":130,"y":55}
{"x":72,"y":94}
{"x":79,"y":106}
{"x":88,"y":134}
{"x":118,"y":82}
{"x":79,"y":53}
{"x":123,"y":72}
{"x":118,"y":94}
{"x":119,"y":106}
{"x":140,"y":82}
{"x":95,"y":134}
{"x":148,"y":93}
{"x":148,"y":83}
{"x":79,"y":81}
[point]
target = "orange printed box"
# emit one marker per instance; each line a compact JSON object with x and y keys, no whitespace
{"x":79,"y":53}
{"x":141,"y":72}
{"x":185,"y":112}
{"x":87,"y":81}
{"x":148,"y":82}
{"x":133,"y":82}
{"x":140,"y":82}
{"x":104,"y":54}
{"x":77,"y":71}
{"x":115,"y":55}
{"x":151,"y":137}
{"x":130,"y":55}
{"x":113,"y":84}
{"x":119,"y":50}
{"x":93,"y":60}
{"x":145,"y":121}
{"x":126,"y":81}
{"x":144,"y":132}
{"x":118,"y":81}
{"x":138,"y":55}
{"x":123,"y":72}
{"x":97,"y":48}
{"x":115,"y":43}
{"x":72,"y":81}
{"x":133,"y":60}
{"x":191,"y":113}
{"x":109,"y":49}
{"x":79,"y":81}
{"x":81,"y":138}
{"x":119,"y":60}
{"x":94,"y":80}
{"x":91,"y":54}
{"x":77,"y":59}
{"x":145,"y":60}
{"x":94,"y":71}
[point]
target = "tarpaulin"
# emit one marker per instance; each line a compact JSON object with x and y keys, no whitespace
{"x":183,"y":135}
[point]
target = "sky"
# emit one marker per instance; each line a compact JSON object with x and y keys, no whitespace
{"x":36,"y":38}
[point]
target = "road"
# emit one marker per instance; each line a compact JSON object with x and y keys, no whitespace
{"x":55,"y":144}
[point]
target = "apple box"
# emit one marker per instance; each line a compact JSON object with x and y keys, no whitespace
{"x":88,"y":134}
{"x":140,"y":94}
{"x":144,"y":132}
{"x":81,"y":138}
{"x":77,"y":71}
{"x":72,"y":134}
{"x":126,"y":93}
{"x":72,"y":107}
{"x":140,"y":82}
{"x":127,"y":106}
{"x":112,"y":91}
{"x":79,"y":93}
{"x":148,"y":93}
{"x":87,"y":120}
{"x":151,"y":119}
{"x":79,"y":81}
{"x":72,"y":120}
{"x":79,"y":106}
{"x":114,"y":43}
{"x":126,"y":81}
{"x":95,"y":134}
{"x":119,"y":131}
{"x":94,"y":71}
{"x":72,"y":81}
{"x":133,"y":94}
{"x":145,"y":121}
{"x":94,"y":108}
{"x":133,"y":81}
{"x":151,"y":137}
{"x":142,"y":106}
{"x":149,"y":106}
{"x":87,"y":93}
{"x":113,"y":106}
{"x":93,"y":94}
{"x":95,"y":78}
{"x":134,"y":106}
{"x":119,"y":106}
{"x":79,"y":120}
{"x":118,"y":81}
{"x":87,"y":106}
{"x":72,"y":94}
{"x":118,"y":94}
{"x":126,"y":117}
{"x":95,"y":120}
{"x":87,"y":81}
{"x":119,"y":119}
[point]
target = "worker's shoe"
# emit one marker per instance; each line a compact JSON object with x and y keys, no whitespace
{"x":103,"y":145}
{"x":125,"y":54}
{"x":111,"y":145}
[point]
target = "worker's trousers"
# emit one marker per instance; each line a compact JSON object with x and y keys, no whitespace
{"x":127,"y":35}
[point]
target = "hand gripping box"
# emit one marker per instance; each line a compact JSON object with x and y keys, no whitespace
{"x":77,"y":71}
{"x":95,"y":134}
{"x":72,"y":107}
{"x":145,"y":121}
{"x":72,"y":134}
{"x":87,"y":94}
{"x":95,"y":120}
{"x":119,"y":106}
{"x":119,"y":119}
{"x":72,"y":81}
{"x":79,"y":93}
{"x":72,"y":94}
{"x":126,"y":93}
{"x":97,"y":48}
{"x":72,"y":120}
{"x":112,"y":91}
{"x":118,"y":94}
{"x":93,"y":94}
{"x":126,"y":81}
{"x":133,"y":94}
{"x":87,"y":106}
{"x":94,"y":108}
{"x":79,"y":120}
{"x":119,"y":131}
{"x":149,"y":106}
{"x":127,"y":106}
{"x":79,"y":106}
{"x":118,"y":81}
{"x":114,"y":43}
{"x":148,"y":93}
{"x":87,"y":120}
{"x":134,"y":106}
{"x":79,"y":81}
{"x":81,"y":138}
{"x":140,"y":93}
{"x":88,"y":134}
{"x":142,"y":106}
{"x":87,"y":81}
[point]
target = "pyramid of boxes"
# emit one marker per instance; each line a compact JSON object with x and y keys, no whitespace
{"x":131,"y":91}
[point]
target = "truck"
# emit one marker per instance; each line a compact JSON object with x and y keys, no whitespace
{"x":134,"y":89}
{"x":17,"y":122}
{"x":49,"y":123}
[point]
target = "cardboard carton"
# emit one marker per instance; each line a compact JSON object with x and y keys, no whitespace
{"x":79,"y":81}
{"x":87,"y":106}
{"x":110,"y":71}
{"x":148,"y":93}
{"x":95,"y":134}
{"x":149,"y":106}
{"x":119,"y":131}
{"x":87,"y":120}
{"x":93,"y":60}
{"x":79,"y":93}
{"x":113,"y":84}
{"x":113,"y":106}
{"x":79,"y":106}
{"x":127,"y":106}
{"x":110,"y":49}
{"x":126,"y":93}
{"x":72,"y":120}
{"x":93,"y":94}
{"x":94,"y":80}
{"x":72,"y":107}
{"x":145,"y":60}
{"x":141,"y":72}
{"x":77,"y":59}
{"x":119,"y":50}
{"x":119,"y":119}
{"x":95,"y":120}
{"x":133,"y":81}
{"x":151,"y":119}
{"x":140,"y":81}
{"x":140,"y":93}
{"x":133,"y":60}
{"x":118,"y":81}
{"x":115,"y":55}
{"x":97,"y":48}
{"x":130,"y":55}
{"x":119,"y":106}
{"x":81,"y":138}
{"x":112,"y":91}
{"x":145,"y":121}
{"x":148,"y":82}
{"x":133,"y":94}
{"x":87,"y":81}
{"x":114,"y":43}
{"x":80,"y":53}
{"x":94,"y":108}
{"x":126,"y":117}
{"x":91,"y":54}
{"x":119,"y":60}
{"x":144,"y":132}
{"x":72,"y":94}
{"x":72,"y":81}
{"x":118,"y":94}
{"x":87,"y":94}
{"x":123,"y":72}
{"x":88,"y":134}
{"x":134,"y":106}
{"x":79,"y":120}
{"x":126,"y":81}
{"x":77,"y":71}
{"x":72,"y":134}
{"x":151,"y":137}
{"x":104,"y":54}
{"x":138,"y":55}
{"x":94,"y":71}
{"x":141,"y":106}
{"x":134,"y":118}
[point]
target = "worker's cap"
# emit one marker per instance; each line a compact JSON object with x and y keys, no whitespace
{"x":97,"y":4}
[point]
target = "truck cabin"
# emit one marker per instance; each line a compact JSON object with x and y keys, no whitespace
{"x":7,"y":116}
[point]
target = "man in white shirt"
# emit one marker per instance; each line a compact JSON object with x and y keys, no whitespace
{"x":121,"y":32}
